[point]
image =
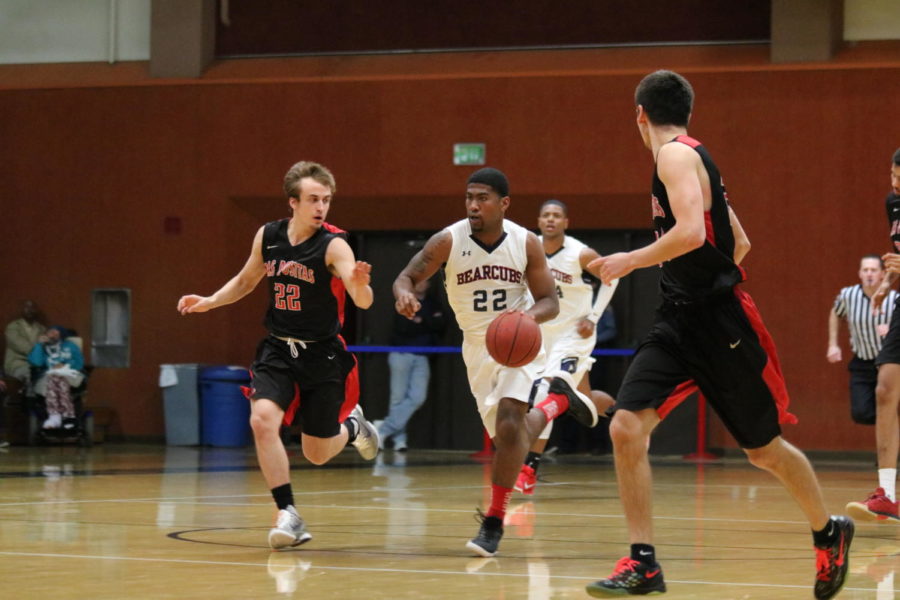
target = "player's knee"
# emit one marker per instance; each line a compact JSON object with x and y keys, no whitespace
{"x":507,"y":430}
{"x":263,"y":423}
{"x":765,"y":458}
{"x":624,"y":429}
{"x":314,"y":456}
{"x":886,"y":393}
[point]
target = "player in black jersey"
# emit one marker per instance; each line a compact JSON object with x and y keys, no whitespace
{"x":708,"y":335}
{"x":882,"y":505}
{"x":302,"y":366}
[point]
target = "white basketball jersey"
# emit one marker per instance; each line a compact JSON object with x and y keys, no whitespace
{"x":575,"y":295}
{"x":482,"y":281}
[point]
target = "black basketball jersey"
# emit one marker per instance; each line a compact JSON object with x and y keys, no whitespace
{"x":305,"y":301}
{"x":709,"y":269}
{"x":892,"y":203}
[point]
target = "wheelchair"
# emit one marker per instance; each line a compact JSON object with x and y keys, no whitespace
{"x":79,"y":430}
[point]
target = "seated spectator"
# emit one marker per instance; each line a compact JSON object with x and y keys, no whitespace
{"x":59,"y":365}
{"x":21,"y":336}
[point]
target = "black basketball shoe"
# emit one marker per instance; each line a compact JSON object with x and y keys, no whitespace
{"x":488,"y":538}
{"x":630,"y":578}
{"x":580,"y":406}
{"x":832,"y":561}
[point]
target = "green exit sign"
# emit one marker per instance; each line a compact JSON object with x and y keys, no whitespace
{"x":468,"y":154}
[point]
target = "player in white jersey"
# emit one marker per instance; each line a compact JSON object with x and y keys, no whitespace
{"x":570,"y":338}
{"x":491,"y":265}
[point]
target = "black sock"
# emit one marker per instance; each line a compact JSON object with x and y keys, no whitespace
{"x":533,"y":460}
{"x":826,"y":536}
{"x":284,"y":496}
{"x":352,"y":429}
{"x":644,"y":553}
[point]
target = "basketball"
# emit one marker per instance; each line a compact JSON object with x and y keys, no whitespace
{"x":513,"y":339}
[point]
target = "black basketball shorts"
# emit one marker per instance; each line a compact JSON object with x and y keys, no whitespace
{"x":721,"y":347}
{"x":890,"y":346}
{"x":863,"y":380}
{"x":321,"y":385}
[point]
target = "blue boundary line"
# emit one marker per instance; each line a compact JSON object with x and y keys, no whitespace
{"x":457,"y":350}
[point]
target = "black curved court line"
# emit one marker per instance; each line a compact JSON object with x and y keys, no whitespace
{"x":177,"y":535}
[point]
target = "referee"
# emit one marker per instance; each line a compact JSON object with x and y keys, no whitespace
{"x":866,"y":332}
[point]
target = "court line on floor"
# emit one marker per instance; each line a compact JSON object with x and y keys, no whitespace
{"x":192,"y":500}
{"x":388,"y":490}
{"x":393,"y":570}
{"x":404,"y":508}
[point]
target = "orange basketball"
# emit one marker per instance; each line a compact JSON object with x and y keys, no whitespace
{"x":513,"y":339}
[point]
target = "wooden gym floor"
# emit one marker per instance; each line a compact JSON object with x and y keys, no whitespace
{"x":125,"y":521}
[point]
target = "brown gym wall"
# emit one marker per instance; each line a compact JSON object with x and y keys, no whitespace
{"x":94,"y":159}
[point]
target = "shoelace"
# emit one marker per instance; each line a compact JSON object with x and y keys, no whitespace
{"x":823,"y":564}
{"x":625,"y":564}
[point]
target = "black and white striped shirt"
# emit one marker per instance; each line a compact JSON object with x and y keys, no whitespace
{"x":853,"y":304}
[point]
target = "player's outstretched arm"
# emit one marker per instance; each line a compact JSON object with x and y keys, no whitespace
{"x":355,"y":274}
{"x":741,"y":241}
{"x":423,"y":265}
{"x":676,"y":165}
{"x":540,"y":282}
{"x":237,"y":287}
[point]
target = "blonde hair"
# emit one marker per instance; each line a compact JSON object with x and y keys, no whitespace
{"x":306,"y":168}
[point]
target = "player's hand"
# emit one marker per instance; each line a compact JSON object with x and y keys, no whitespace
{"x":524,"y":312}
{"x":193,"y":304}
{"x":407,"y":305}
{"x":361,"y":275}
{"x":882,"y":329}
{"x":585,"y":328}
{"x":834,"y":354}
{"x":878,"y":298}
{"x":891,"y":262}
{"x":614,"y":266}
{"x":2,"y":386}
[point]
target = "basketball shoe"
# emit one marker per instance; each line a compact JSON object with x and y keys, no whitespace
{"x":367,"y":440}
{"x":580,"y":406}
{"x":832,"y":561}
{"x":488,"y":539}
{"x":629,"y":578}
{"x":526,"y":481}
{"x":289,"y":530}
{"x":877,"y":507}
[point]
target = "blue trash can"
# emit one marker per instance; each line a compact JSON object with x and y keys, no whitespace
{"x":224,"y":408}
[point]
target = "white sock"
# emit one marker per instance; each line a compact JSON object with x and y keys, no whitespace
{"x":887,"y":480}
{"x":541,"y":389}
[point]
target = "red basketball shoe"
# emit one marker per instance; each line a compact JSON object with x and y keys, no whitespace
{"x":526,"y":481}
{"x":877,"y":507}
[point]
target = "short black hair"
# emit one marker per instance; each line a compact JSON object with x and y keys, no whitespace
{"x":667,"y":98}
{"x":559,"y":203}
{"x":897,"y":157}
{"x":492,"y":177}
{"x":874,"y":256}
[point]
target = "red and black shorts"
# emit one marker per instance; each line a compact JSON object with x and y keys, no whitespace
{"x":720,"y":346}
{"x":321,"y":385}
